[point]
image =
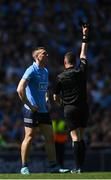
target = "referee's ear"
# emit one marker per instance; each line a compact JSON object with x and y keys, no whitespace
{"x":65,"y":61}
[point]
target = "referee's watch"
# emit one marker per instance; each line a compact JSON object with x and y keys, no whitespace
{"x":85,"y":38}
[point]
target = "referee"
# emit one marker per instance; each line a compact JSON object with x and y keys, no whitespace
{"x":71,"y":89}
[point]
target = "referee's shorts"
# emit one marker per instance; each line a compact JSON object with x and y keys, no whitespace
{"x":33,"y":119}
{"x":76,"y":116}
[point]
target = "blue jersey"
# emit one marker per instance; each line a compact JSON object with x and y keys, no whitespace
{"x":37,"y":86}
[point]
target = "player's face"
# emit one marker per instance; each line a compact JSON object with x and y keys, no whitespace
{"x":42,"y":57}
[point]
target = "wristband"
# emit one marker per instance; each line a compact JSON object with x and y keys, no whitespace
{"x":85,"y":39}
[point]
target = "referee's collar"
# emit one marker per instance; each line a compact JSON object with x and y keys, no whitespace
{"x":72,"y":67}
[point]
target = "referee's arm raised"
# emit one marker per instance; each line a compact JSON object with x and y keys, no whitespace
{"x":83,"y":53}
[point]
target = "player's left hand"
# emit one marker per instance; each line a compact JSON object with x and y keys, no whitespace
{"x":34,"y":108}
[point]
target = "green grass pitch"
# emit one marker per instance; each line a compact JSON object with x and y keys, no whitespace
{"x":88,"y":175}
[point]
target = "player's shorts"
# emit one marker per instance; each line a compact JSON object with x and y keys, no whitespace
{"x":33,"y":119}
{"x":76,"y":117}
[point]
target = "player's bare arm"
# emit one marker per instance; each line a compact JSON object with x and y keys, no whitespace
{"x":21,"y":92}
{"x":83,"y":52}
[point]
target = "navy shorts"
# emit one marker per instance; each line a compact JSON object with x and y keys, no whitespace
{"x":33,"y":119}
{"x":76,"y":117}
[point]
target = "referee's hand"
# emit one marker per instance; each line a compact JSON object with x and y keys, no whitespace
{"x":85,"y":30}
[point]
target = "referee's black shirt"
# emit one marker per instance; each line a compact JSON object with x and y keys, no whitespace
{"x":71,"y":85}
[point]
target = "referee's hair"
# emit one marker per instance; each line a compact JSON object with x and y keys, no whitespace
{"x":70,"y":57}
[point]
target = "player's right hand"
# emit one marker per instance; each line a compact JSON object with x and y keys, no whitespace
{"x":34,"y":108}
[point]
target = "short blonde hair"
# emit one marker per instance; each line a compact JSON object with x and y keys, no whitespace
{"x":36,"y":50}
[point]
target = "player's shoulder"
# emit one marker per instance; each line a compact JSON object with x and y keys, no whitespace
{"x":28,"y":73}
{"x":30,"y":68}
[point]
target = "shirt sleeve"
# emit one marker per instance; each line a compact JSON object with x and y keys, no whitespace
{"x":57,"y":86}
{"x":28,"y":74}
{"x":83,"y":65}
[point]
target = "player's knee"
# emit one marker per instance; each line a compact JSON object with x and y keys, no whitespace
{"x":29,"y":137}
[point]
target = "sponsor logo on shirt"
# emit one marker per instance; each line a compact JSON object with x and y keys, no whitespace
{"x":43,"y":86}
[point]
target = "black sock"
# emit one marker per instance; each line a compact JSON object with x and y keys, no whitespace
{"x":25,"y":165}
{"x":76,"y":146}
{"x":82,"y":151}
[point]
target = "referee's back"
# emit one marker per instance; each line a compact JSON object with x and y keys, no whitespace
{"x":72,"y":84}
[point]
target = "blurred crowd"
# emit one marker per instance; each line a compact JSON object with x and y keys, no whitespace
{"x":25,"y":25}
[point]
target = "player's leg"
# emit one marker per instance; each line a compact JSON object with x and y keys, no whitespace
{"x":25,"y":147}
{"x":29,"y":135}
{"x":47,"y":131}
{"x":29,"y":124}
{"x":60,"y":149}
